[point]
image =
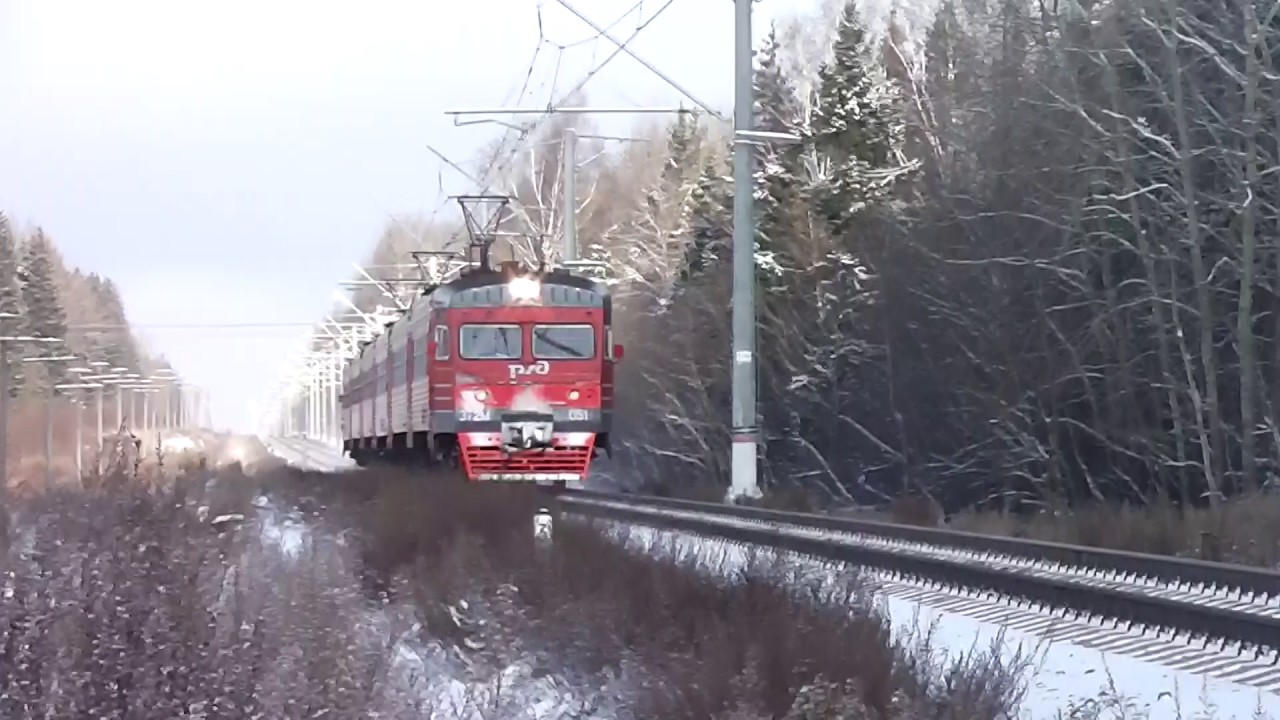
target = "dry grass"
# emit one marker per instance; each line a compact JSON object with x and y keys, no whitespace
{"x":694,"y":647}
{"x":122,"y":601}
{"x":1244,"y":529}
{"x":26,"y":448}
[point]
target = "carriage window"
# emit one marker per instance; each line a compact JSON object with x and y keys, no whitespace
{"x":489,"y":342}
{"x":564,"y":342}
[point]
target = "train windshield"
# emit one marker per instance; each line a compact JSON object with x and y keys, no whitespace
{"x":489,"y":342}
{"x":564,"y":342}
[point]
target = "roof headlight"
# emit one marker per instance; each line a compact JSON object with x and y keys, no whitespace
{"x":524,"y":288}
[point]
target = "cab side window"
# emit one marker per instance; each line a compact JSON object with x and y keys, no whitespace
{"x":442,"y":342}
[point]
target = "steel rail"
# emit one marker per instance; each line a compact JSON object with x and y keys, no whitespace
{"x":1246,"y":581}
{"x":779,"y":530}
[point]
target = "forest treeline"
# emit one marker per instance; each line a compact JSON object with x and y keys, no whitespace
{"x":1025,"y":251}
{"x":41,"y":297}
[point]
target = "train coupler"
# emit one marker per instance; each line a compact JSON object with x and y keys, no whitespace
{"x":526,"y":431}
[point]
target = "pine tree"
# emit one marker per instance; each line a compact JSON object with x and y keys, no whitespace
{"x":683,"y":148}
{"x":855,"y":127}
{"x":45,"y":316}
{"x":777,"y":105}
{"x":96,"y":341}
{"x":118,"y":346}
{"x":710,"y":222}
{"x":777,"y":169}
{"x":10,"y":302}
{"x":675,"y":189}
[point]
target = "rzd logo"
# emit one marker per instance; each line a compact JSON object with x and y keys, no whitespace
{"x":542,"y":367}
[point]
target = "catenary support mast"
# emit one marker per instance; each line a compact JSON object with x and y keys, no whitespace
{"x":745,"y":432}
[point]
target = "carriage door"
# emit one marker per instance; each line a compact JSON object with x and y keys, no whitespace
{"x":440,"y":373}
{"x":409,"y":366}
{"x":607,"y":371}
{"x":389,"y":380}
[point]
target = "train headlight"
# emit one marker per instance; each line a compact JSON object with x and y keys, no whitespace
{"x":573,"y":394}
{"x":524,"y":288}
{"x":480,"y":395}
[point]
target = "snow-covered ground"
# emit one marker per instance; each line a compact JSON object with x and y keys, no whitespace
{"x":308,"y":454}
{"x":1076,"y":662}
{"x":442,"y":682}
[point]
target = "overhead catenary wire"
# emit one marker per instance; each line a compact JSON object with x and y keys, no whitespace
{"x":495,"y":169}
{"x":208,"y":326}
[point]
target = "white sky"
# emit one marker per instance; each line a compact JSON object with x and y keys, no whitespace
{"x":227,"y":162}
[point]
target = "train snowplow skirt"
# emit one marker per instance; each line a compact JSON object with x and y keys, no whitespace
{"x":565,"y":460}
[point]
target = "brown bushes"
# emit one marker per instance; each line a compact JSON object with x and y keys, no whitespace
{"x":124,"y":603}
{"x":26,"y":442}
{"x":916,"y":510}
{"x":1243,"y":529}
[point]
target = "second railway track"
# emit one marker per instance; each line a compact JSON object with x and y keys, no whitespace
{"x":1208,"y":602}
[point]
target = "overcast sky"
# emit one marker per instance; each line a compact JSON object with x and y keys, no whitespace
{"x":226,"y":162}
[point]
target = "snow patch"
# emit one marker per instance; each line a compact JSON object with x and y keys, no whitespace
{"x":285,"y":532}
{"x":441,"y":682}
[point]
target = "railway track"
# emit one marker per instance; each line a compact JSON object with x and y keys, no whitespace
{"x":1199,"y":602}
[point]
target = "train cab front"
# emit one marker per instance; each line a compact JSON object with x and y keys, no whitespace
{"x":529,"y":384}
{"x":533,"y":434}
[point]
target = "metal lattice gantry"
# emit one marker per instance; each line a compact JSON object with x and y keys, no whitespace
{"x":304,"y":403}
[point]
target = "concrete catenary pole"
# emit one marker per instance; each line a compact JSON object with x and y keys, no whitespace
{"x":79,"y":402}
{"x":99,"y":393}
{"x":4,"y":409}
{"x":335,"y":369}
{"x":745,"y":430}
{"x":48,"y":415}
{"x":48,"y":438}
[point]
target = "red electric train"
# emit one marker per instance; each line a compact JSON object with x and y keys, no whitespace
{"x":505,"y":373}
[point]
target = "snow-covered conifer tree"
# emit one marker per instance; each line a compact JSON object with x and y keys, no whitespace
{"x":710,"y":222}
{"x":778,"y":168}
{"x":856,"y":129}
{"x":10,"y":301}
{"x":45,"y":316}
